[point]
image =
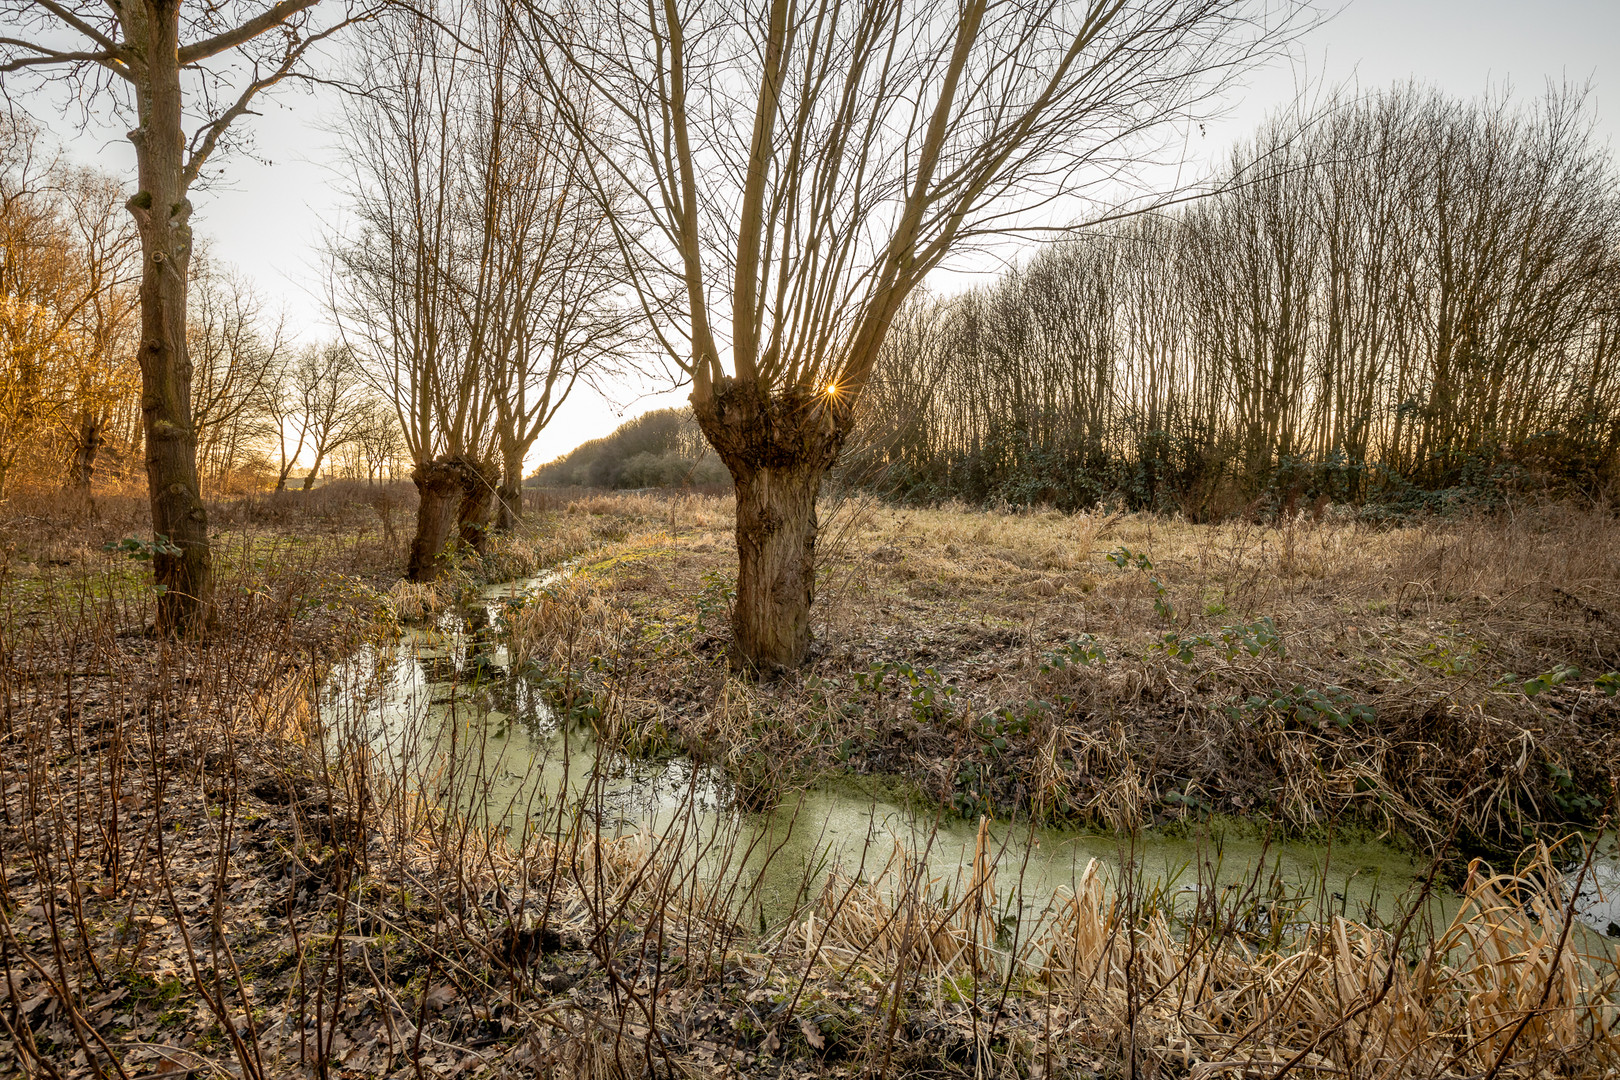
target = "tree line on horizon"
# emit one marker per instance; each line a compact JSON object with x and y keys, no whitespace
{"x":1406,"y":300}
{"x":1397,"y":297}
{"x":663,"y":448}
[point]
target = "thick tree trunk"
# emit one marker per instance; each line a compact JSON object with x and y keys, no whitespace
{"x":309,"y":477}
{"x":439,"y":489}
{"x":509,"y":509}
{"x":776,"y":564}
{"x":454,"y":499}
{"x":182,"y":566}
{"x":778,"y":449}
{"x":477,"y":499}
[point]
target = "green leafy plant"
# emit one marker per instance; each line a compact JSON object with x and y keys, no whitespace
{"x":993,"y":728}
{"x":1310,"y":707}
{"x":1572,"y":802}
{"x":718,"y":594}
{"x":1126,"y":559}
{"x":1451,"y":656}
{"x":139,"y":549}
{"x":1191,"y":803}
{"x":1557,"y":676}
{"x":972,"y":795}
{"x":1183,"y":648}
{"x":1083,"y":651}
{"x":1256,"y":639}
{"x":1549,"y":679}
{"x":931,"y":696}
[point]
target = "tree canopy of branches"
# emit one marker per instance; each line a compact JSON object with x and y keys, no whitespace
{"x":1416,"y":292}
{"x":70,"y":386}
{"x":67,"y":304}
{"x":480,"y":284}
{"x":797,"y":169}
{"x":156,"y":58}
{"x":239,"y":352}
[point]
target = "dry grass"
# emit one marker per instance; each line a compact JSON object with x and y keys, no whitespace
{"x":205,"y":868}
{"x":1392,"y":692}
{"x":1188,"y":996}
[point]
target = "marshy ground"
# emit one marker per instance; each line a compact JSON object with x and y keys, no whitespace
{"x":208,"y":870}
{"x":1445,"y":679}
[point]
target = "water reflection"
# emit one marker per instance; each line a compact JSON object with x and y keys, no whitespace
{"x":440,"y":707}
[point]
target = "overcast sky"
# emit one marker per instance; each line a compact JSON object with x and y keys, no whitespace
{"x":270,"y":216}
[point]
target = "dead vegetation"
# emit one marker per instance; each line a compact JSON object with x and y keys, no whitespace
{"x":209,"y":870}
{"x":1429,"y":678}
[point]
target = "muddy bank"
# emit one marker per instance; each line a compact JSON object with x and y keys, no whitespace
{"x":450,"y":696}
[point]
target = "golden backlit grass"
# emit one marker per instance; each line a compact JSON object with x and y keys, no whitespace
{"x":1394,"y":690}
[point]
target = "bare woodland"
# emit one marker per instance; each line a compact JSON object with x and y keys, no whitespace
{"x":72,"y":405}
{"x":1396,"y":294}
{"x":481,"y":283}
{"x":1400,"y":295}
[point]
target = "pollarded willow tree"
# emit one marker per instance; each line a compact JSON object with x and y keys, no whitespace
{"x":802,"y":165}
{"x":187,"y":73}
{"x":480,"y":283}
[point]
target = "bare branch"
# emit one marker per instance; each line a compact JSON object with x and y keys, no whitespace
{"x":278,"y":15}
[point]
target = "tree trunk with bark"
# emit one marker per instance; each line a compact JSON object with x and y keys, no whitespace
{"x":182,"y":566}
{"x":777,"y":448}
{"x":477,"y":499}
{"x":509,"y":508}
{"x":439,"y":489}
{"x":80,"y":471}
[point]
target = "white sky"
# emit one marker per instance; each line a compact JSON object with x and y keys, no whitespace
{"x":278,"y":204}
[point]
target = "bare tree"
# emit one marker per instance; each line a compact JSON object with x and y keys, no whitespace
{"x":153,"y":58}
{"x":800,"y":168}
{"x":481,"y":283}
{"x":378,"y":438}
{"x":395,"y":290}
{"x":328,"y":381}
{"x":1411,"y":293}
{"x":66,"y":299}
{"x":547,"y":304}
{"x":563,"y":315}
{"x":35,"y":286}
{"x":105,"y":381}
{"x":237,"y":350}
{"x":289,"y":411}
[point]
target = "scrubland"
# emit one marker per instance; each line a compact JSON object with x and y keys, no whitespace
{"x":209,"y":869}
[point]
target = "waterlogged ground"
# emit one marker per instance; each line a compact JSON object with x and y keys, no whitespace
{"x":441,"y":707}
